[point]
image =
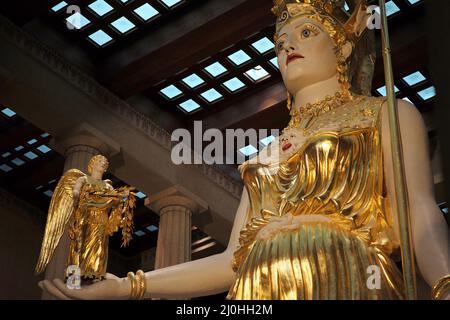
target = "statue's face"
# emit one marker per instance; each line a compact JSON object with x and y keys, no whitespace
{"x":100,"y":165}
{"x":305,"y":54}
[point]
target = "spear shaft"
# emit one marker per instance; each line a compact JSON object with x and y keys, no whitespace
{"x":401,"y":192}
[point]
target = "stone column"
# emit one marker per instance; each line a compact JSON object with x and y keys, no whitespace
{"x":175,"y":209}
{"x":78,"y":149}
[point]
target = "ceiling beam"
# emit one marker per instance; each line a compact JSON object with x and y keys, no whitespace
{"x":176,"y":46}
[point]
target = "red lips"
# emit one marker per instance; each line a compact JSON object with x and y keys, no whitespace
{"x":287,"y":146}
{"x":293,"y":56}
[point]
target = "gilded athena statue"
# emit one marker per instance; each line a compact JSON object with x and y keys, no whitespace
{"x":317,"y":211}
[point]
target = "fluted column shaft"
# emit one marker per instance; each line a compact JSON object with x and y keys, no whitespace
{"x":174,"y":236}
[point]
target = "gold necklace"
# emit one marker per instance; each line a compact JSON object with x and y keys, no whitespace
{"x":312,"y":110}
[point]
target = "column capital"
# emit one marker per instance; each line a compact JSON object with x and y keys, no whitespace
{"x":176,"y":196}
{"x":86,"y":135}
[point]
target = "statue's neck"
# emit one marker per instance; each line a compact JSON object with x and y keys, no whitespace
{"x":316,"y":92}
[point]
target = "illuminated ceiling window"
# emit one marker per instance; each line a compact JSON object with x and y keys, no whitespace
{"x":6,"y":154}
{"x":152,"y":228}
{"x":31,"y":155}
{"x":414,"y":78}
{"x":274,"y":62}
{"x":346,"y":7}
{"x":189,"y":105}
{"x":48,"y":193}
{"x":5,"y":168}
{"x":44,"y":149}
{"x":216,"y":69}
{"x":59,"y":6}
{"x":32,"y":141}
{"x":18,"y":148}
{"x":45,"y":135}
{"x":8,"y":112}
{"x":141,"y":195}
{"x":171,"y":3}
{"x":101,"y":7}
{"x":123,"y":25}
{"x":239,"y":57}
{"x":391,"y":8}
{"x":211,"y":95}
{"x":263,"y":45}
{"x":125,"y":1}
{"x":100,"y":37}
{"x":267,"y":140}
{"x":383,"y":92}
{"x":413,"y":1}
{"x":248,"y":150}
{"x":428,"y":93}
{"x":18,"y":162}
{"x":234,"y":84}
{"x":146,"y":12}
{"x":193,"y":81}
{"x":39,"y":187}
{"x":139,"y":233}
{"x":257,"y":73}
{"x":171,"y":92}
{"x":78,"y":21}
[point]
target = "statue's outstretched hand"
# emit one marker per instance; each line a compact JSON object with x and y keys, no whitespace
{"x":113,"y":288}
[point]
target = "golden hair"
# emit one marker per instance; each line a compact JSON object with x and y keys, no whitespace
{"x":94,"y":159}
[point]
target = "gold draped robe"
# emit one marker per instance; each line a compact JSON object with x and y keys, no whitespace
{"x":337,"y":178}
{"x":91,"y":228}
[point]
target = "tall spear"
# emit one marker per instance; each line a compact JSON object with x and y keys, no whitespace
{"x":409,"y":274}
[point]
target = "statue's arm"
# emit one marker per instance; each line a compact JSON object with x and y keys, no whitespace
{"x":201,"y":277}
{"x":77,"y":188}
{"x":430,"y":232}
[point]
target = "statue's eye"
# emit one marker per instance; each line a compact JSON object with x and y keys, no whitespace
{"x":306,"y":33}
{"x":280,"y":46}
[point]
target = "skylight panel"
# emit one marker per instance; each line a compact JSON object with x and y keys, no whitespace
{"x":5,"y":168}
{"x":211,"y":95}
{"x":171,"y":92}
{"x":45,"y":135}
{"x":189,"y":105}
{"x":32,"y":141}
{"x":8,"y":112}
{"x":6,"y":154}
{"x":139,"y":233}
{"x":48,"y":193}
{"x":258,"y":73}
{"x":391,"y":8}
{"x":428,"y":93}
{"x":171,"y":3}
{"x":414,"y":78}
{"x":31,"y":155}
{"x":216,"y":69}
{"x":44,"y":149}
{"x":234,"y":84}
{"x":413,"y":1}
{"x":267,"y":140}
{"x":152,"y":228}
{"x":383,"y":91}
{"x":18,"y":162}
{"x":141,"y":195}
{"x":100,"y":37}
{"x":78,"y":21}
{"x":274,"y":62}
{"x":263,"y":45}
{"x":125,"y":1}
{"x":193,"y":80}
{"x":123,"y":25}
{"x":146,"y":12}
{"x":239,"y":57}
{"x":248,"y":150}
{"x":101,"y":7}
{"x":18,"y":148}
{"x":59,"y":6}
